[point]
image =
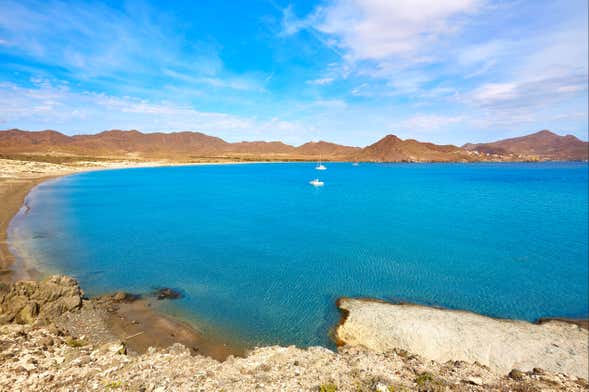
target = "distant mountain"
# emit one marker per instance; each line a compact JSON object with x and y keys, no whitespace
{"x":183,"y":145}
{"x":19,"y":140}
{"x":261,"y":148}
{"x":543,"y":145}
{"x":392,"y":149}
{"x":114,"y":142}
{"x":327,"y":149}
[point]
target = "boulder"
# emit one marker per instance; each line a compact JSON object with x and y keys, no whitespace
{"x":167,"y":293}
{"x":28,"y":314}
{"x":29,"y":302}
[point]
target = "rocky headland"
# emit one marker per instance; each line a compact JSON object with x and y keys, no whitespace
{"x":53,"y":339}
{"x":443,"y":335}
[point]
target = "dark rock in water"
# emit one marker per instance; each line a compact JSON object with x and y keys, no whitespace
{"x":167,"y":293}
{"x":121,"y":296}
{"x":29,"y":302}
{"x":110,"y":302}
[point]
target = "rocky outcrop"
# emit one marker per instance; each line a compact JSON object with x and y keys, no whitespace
{"x":167,"y":293}
{"x":38,"y":359}
{"x":393,"y":149}
{"x":32,"y":302}
{"x":442,"y":335}
{"x":70,"y":354}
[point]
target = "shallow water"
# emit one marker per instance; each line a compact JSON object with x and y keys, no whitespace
{"x":260,"y":253}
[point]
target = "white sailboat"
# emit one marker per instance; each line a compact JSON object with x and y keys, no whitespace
{"x":320,"y":166}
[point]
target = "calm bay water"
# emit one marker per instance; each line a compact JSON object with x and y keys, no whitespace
{"x":259,"y":252}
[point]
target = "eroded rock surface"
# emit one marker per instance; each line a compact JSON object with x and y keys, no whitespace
{"x":36,"y":358}
{"x":29,"y":302}
{"x":442,"y":335}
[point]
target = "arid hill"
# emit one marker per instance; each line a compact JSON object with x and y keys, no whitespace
{"x":392,"y":149}
{"x":262,"y":148}
{"x":194,"y":146}
{"x":176,"y":145}
{"x":116,"y":143}
{"x":327,"y":149}
{"x":543,"y":145}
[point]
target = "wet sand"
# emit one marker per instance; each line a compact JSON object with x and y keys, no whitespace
{"x":12,"y":194}
{"x":142,"y":327}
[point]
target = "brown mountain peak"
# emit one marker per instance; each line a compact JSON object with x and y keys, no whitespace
{"x":544,"y":132}
{"x":544,"y":144}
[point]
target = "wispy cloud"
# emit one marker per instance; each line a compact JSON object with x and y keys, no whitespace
{"x":384,"y":38}
{"x":124,"y":46}
{"x":320,"y":81}
{"x":525,"y":100}
{"x":88,"y":38}
{"x":47,"y":105}
{"x":243,"y":83}
{"x":378,"y":30}
{"x":428,"y":122}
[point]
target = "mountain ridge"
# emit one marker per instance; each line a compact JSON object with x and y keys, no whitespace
{"x":543,"y":144}
{"x":187,"y":145}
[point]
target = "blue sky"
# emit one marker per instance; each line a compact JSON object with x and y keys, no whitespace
{"x":348,"y":71}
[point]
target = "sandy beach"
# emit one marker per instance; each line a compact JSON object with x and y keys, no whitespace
{"x":17,"y":178}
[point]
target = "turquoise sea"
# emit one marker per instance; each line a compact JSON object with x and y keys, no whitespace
{"x":263,"y":255}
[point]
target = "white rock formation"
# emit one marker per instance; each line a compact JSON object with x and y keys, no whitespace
{"x":442,"y":335}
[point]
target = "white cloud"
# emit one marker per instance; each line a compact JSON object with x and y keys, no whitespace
{"x":379,"y":29}
{"x":513,"y":103}
{"x":329,"y":103}
{"x":85,"y":37}
{"x":321,"y":81}
{"x":476,"y":54}
{"x":47,"y":105}
{"x":120,"y":47}
{"x":386,"y":40}
{"x":533,"y":93}
{"x":243,"y":83}
{"x":291,"y":24}
{"x":492,"y":93}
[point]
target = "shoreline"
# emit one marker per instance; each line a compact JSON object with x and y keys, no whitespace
{"x":19,"y":188}
{"x":159,"y":329}
{"x":582,"y":323}
{"x":135,"y":322}
{"x":14,"y":199}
